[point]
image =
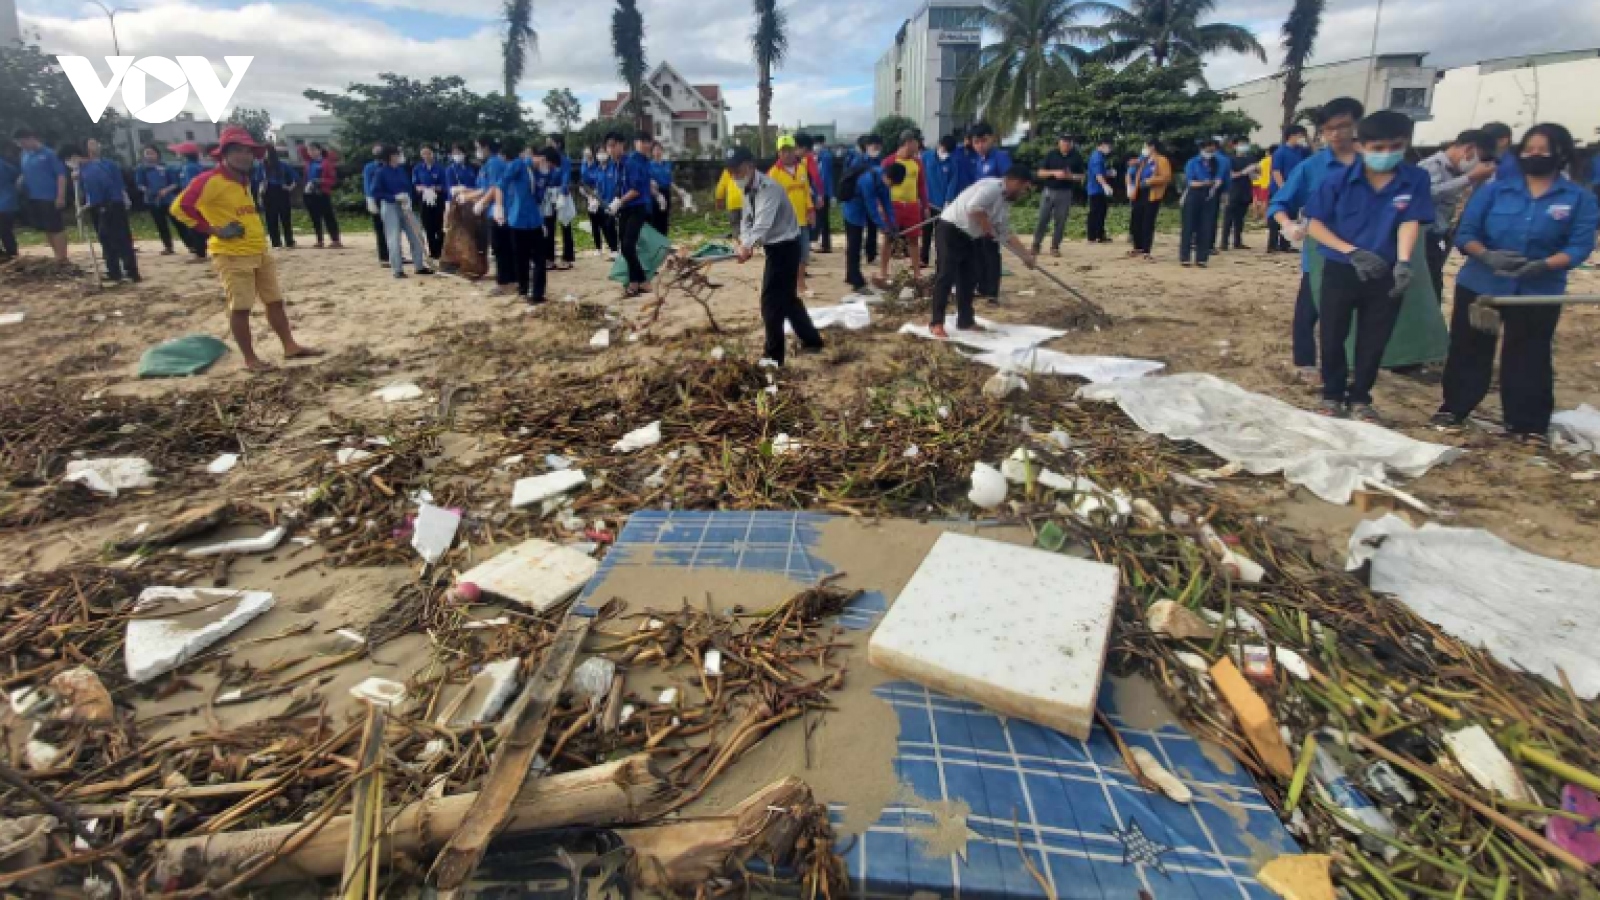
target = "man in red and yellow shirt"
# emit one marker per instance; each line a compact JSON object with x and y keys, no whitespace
{"x":910,"y":202}
{"x":218,"y":204}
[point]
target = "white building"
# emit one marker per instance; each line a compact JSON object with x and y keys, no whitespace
{"x":1519,"y":91}
{"x":919,"y":76}
{"x":322,"y":130}
{"x":681,"y":115}
{"x":133,"y":135}
{"x":10,"y":27}
{"x":1397,"y":81}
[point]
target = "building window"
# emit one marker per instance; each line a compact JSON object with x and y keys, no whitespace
{"x":188,"y":135}
{"x":147,"y":136}
{"x":955,"y":18}
{"x":666,"y":91}
{"x":1408,"y":98}
{"x":714,"y":137}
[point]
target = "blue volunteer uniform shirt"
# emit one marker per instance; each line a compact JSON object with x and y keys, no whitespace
{"x":459,"y":174}
{"x":369,"y":177}
{"x":1097,"y":170}
{"x":40,"y":169}
{"x":1285,"y":160}
{"x":1594,"y":172}
{"x":1196,"y":171}
{"x":524,"y":189}
{"x":825,"y":172}
{"x":1300,"y":187}
{"x":152,"y":179}
{"x":10,"y":202}
{"x":101,"y":180}
{"x":661,"y":174}
{"x":937,"y":173}
{"x":424,"y":175}
{"x":635,"y":177}
{"x":867,"y":207}
{"x":190,"y":170}
{"x":1370,"y":219}
{"x":388,"y":182}
{"x":561,"y":175}
{"x":1504,"y":215}
{"x":1224,"y":172}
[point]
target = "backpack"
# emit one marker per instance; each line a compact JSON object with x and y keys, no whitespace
{"x":852,"y":179}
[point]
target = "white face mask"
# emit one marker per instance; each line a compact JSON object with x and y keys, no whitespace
{"x":402,"y":159}
{"x":458,"y":157}
{"x":482,"y":155}
{"x":1144,"y":153}
{"x":943,"y":154}
{"x":603,"y":156}
{"x":1208,"y":154}
{"x":1467,"y":161}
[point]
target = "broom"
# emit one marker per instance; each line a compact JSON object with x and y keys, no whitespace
{"x":1485,"y":312}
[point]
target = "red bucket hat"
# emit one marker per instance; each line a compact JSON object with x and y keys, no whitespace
{"x":185,"y":147}
{"x":233,"y":134}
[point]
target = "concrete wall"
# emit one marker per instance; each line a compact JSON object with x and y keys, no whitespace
{"x":1558,"y":88}
{"x":1262,"y":99}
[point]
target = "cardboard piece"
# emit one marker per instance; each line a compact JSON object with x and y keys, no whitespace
{"x":1299,"y":877}
{"x":1255,"y":720}
{"x":535,"y":573}
{"x":193,"y":619}
{"x":1020,"y":630}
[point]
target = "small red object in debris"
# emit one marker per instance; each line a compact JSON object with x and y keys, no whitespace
{"x":1232,"y":540}
{"x":466,"y":592}
{"x":599,"y":537}
{"x":1256,"y":663}
{"x":1579,"y":838}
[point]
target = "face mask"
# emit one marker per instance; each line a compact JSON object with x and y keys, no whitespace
{"x":482,"y":155}
{"x":1208,"y":154}
{"x":1244,"y":148}
{"x":458,"y":158}
{"x":603,"y":156}
{"x":873,"y":152}
{"x":1386,"y":161}
{"x":944,"y":155}
{"x":402,"y":159}
{"x":1145,"y":153}
{"x":1538,"y":166}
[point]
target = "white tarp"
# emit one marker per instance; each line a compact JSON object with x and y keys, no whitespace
{"x":1578,"y":429}
{"x":1329,"y":457}
{"x":1529,"y":611}
{"x":1096,"y":369}
{"x":854,"y":316}
{"x":996,"y":336}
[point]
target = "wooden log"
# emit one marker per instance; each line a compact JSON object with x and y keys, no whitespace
{"x":626,"y":792}
{"x":679,"y":857}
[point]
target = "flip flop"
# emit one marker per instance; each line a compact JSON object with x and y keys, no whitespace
{"x":305,"y":353}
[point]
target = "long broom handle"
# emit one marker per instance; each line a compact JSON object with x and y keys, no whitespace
{"x":1541,"y":300}
{"x":1050,"y":276}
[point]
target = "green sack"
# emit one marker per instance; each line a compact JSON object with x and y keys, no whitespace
{"x":712,"y":249}
{"x":653,"y":250}
{"x":176,"y":358}
{"x":1420,"y":334}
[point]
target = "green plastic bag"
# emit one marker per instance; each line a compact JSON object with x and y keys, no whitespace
{"x":711,"y":250}
{"x":653,"y":250}
{"x":1420,"y":335}
{"x":189,"y":355}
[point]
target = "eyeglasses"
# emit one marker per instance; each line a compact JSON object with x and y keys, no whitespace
{"x":1339,"y":129}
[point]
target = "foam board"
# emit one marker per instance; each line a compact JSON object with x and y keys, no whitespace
{"x":535,"y":573}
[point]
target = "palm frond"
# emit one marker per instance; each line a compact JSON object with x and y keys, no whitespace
{"x":769,"y":41}
{"x":519,"y":42}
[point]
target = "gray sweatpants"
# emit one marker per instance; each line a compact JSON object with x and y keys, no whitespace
{"x":1053,"y":204}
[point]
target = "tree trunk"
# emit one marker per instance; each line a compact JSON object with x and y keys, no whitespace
{"x":1293,"y":87}
{"x":764,"y":109}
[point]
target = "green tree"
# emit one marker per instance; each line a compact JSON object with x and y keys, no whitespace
{"x":256,"y":121}
{"x":593,"y":134}
{"x":563,"y":109}
{"x":1036,"y":55}
{"x":518,"y":44}
{"x":769,"y":42}
{"x":36,"y":93}
{"x":889,"y":128}
{"x":1135,"y":103}
{"x":1299,"y":37}
{"x":406,"y":111}
{"x":627,"y":45}
{"x":1166,"y":31}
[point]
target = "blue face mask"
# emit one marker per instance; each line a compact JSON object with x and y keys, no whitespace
{"x":1386,"y":161}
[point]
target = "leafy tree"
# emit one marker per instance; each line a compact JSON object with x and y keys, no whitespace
{"x":406,"y":111}
{"x":36,"y":93}
{"x":770,"y":44}
{"x":627,"y":44}
{"x":1299,"y":37}
{"x":1036,"y":55}
{"x":890,"y":126}
{"x":1165,"y":31}
{"x":256,"y":121}
{"x":751,"y":137}
{"x":519,"y":40}
{"x":1135,"y":103}
{"x":593,"y":134}
{"x":563,"y":109}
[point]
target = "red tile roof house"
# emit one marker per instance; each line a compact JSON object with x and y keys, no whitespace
{"x":682,"y":115}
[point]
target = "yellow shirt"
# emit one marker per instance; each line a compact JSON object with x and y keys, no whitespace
{"x":1264,"y":180}
{"x":797,"y":186}
{"x":214,"y":199}
{"x":729,"y":193}
{"x":907,"y":191}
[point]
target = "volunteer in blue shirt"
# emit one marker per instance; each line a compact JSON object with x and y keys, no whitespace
{"x":1098,"y":185}
{"x":1594,"y":175}
{"x":107,"y":201}
{"x":1203,"y":180}
{"x":985,"y":159}
{"x":599,"y":179}
{"x":631,"y":205}
{"x":156,"y":186}
{"x":274,"y":182}
{"x":660,"y":188}
{"x":44,"y":189}
{"x":1505,"y":159}
{"x":1521,"y":234}
{"x":867,"y":202}
{"x":369,"y":175}
{"x":10,"y":205}
{"x":522,"y":189}
{"x":1244,"y":166}
{"x":561,"y":187}
{"x":390,"y":190}
{"x":428,"y":177}
{"x":460,"y":173}
{"x":1336,"y":124}
{"x":1366,"y":219}
{"x":1288,"y":157}
{"x":322,"y":174}
{"x":492,"y":161}
{"x":1219,"y":197}
{"x":937,"y":171}
{"x":825,"y":195}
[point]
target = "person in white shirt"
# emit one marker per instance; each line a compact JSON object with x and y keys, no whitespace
{"x":770,"y":223}
{"x":982,"y":211}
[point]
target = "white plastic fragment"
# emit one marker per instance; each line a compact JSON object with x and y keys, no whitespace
{"x":1481,"y":758}
{"x":497,"y":683}
{"x":111,"y":476}
{"x":555,"y":462}
{"x":348,"y":455}
{"x":1003,"y":384}
{"x":639,"y":438}
{"x":988,"y":486}
{"x":713,"y":662}
{"x":261,"y":543}
{"x":668,"y":697}
{"x":534,"y":573}
{"x":591,"y":680}
{"x":13,"y":318}
{"x":1238,"y":566}
{"x":783,"y":444}
{"x":717,"y":353}
{"x":1292,"y":663}
{"x":194,"y":620}
{"x":379,"y":692}
{"x":912,"y":452}
{"x":435,"y":532}
{"x":223,"y":464}
{"x":1152,"y":769}
{"x":399,"y":392}
{"x":528,"y":491}
{"x":601,"y":339}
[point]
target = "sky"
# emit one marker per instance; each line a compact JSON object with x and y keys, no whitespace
{"x":834,"y":44}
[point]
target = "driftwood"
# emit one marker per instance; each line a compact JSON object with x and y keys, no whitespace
{"x":679,"y":858}
{"x":625,"y":792}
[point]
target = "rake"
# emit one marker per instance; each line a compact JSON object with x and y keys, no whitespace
{"x":1485,"y":312}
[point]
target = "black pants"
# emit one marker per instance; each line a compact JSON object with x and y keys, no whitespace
{"x":1142,"y":222}
{"x":824,"y":230}
{"x":194,"y":240}
{"x":1345,"y":298}
{"x":275,"y":210}
{"x":1276,"y":242}
{"x":551,"y":225}
{"x":432,"y":221}
{"x":1527,"y":376}
{"x":854,"y":238}
{"x":927,"y":235}
{"x":872,"y":243}
{"x":116,"y":240}
{"x":160,"y":216}
{"x":1305,"y":325}
{"x":780,"y":301}
{"x":319,"y":207}
{"x":1199,"y":227}
{"x":505,"y":270}
{"x":1099,"y":205}
{"x":661,"y":213}
{"x":383,"y":242}
{"x":603,"y":226}
{"x":633,"y":221}
{"x":529,"y":255}
{"x":1437,"y":247}
{"x":989,"y":268}
{"x":1233,"y":222}
{"x":8,"y":234}
{"x":960,"y":257}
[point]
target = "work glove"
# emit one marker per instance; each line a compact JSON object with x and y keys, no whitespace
{"x":615,"y":207}
{"x":499,"y":215}
{"x":1402,"y":279}
{"x":1530,"y":269}
{"x":231,"y":231}
{"x":594,"y":206}
{"x":1502,"y":262}
{"x":430,"y":196}
{"x":1369,"y":266}
{"x":372,"y":206}
{"x":457,"y":191}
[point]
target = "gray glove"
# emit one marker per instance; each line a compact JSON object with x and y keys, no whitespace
{"x":1402,"y":279}
{"x":1532,"y":269}
{"x":1369,"y":266}
{"x":1502,"y":262}
{"x":231,"y":231}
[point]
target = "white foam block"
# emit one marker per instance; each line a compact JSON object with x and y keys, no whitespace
{"x":539,"y":488}
{"x":193,"y":620}
{"x":535,"y":573}
{"x":1021,"y":631}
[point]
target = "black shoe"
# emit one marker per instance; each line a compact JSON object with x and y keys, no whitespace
{"x":1447,"y":420}
{"x":399,"y":274}
{"x":1241,"y":247}
{"x":135,"y":278}
{"x":424,"y":271}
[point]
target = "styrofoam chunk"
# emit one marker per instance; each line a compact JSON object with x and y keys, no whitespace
{"x":223,"y":464}
{"x":713,"y":662}
{"x":535,"y":573}
{"x":495,"y":684}
{"x":435,"y":532}
{"x":639,"y":438}
{"x":1020,"y":630}
{"x":348,"y":455}
{"x":194,"y":621}
{"x":379,"y":692}
{"x":398,"y":392}
{"x":261,"y":543}
{"x":1481,"y":758}
{"x":111,"y":476}
{"x":539,"y":488}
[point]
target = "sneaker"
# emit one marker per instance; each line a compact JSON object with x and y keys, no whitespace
{"x":424,"y":271}
{"x":1199,"y":265}
{"x":1308,"y":375}
{"x":168,"y":252}
{"x":1333,"y":409}
{"x":1446,"y":420}
{"x":399,"y":274}
{"x":1364,"y":412}
{"x":1184,"y":262}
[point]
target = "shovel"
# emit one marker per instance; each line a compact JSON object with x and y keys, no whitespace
{"x":1485,"y":312}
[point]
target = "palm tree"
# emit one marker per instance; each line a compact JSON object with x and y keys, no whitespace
{"x":520,"y":38}
{"x":1035,"y":56}
{"x":1299,"y":36}
{"x":627,"y":44}
{"x":770,"y":44}
{"x":1168,"y":30}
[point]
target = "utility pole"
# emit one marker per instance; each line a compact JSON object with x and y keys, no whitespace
{"x":1372,"y":61}
{"x":116,"y":46}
